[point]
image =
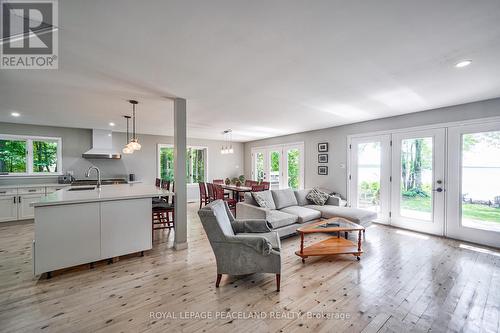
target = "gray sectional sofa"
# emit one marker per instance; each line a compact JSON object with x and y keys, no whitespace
{"x":286,"y":210}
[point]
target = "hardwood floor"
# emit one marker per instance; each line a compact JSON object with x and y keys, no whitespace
{"x":404,"y":282}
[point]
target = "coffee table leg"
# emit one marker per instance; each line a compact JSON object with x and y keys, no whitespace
{"x":302,"y":246}
{"x":301,"y":243}
{"x":359,"y":245}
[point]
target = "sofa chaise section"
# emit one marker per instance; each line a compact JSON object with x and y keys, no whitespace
{"x":294,"y":210}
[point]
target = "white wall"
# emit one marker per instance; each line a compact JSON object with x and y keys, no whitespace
{"x":337,"y":139}
{"x":142,"y":163}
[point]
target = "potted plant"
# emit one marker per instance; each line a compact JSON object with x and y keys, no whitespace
{"x":227,"y":181}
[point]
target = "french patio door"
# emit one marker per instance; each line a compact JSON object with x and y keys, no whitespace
{"x":473,"y":193}
{"x":281,"y":165}
{"x":418,"y":183}
{"x":370,"y":175}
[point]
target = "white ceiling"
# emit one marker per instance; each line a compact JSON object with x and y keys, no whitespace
{"x":262,"y":68}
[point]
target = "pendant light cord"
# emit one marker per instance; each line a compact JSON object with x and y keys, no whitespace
{"x":133,"y":123}
{"x":128,"y":138}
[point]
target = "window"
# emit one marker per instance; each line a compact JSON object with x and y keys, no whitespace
{"x":24,"y":156}
{"x":196,"y":161}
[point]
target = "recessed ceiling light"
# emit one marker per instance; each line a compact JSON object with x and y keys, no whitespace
{"x":111,"y":124}
{"x":463,"y":63}
{"x":15,"y":114}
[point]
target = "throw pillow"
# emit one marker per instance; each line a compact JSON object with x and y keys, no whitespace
{"x":284,"y":198}
{"x":264,"y":199}
{"x":318,"y":197}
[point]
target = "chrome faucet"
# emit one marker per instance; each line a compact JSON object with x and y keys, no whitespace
{"x":98,"y":175}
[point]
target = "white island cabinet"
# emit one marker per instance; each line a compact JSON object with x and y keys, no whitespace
{"x":74,"y":227}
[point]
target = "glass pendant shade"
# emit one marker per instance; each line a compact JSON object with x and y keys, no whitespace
{"x":134,"y":145}
{"x":127,"y":150}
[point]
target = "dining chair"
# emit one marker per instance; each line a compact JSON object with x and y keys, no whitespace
{"x":161,"y":211}
{"x":219,"y":194}
{"x":158,"y":182}
{"x":249,"y":183}
{"x":218,"y":181}
{"x":210,"y":192}
{"x":257,"y":188}
{"x":203,"y":194}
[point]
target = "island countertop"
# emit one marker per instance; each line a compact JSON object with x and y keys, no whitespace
{"x":105,"y":193}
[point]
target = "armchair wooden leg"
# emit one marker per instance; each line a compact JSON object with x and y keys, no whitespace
{"x":278,"y":281}
{"x":219,"y":276}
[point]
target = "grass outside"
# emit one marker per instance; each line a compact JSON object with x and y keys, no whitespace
{"x":469,"y":211}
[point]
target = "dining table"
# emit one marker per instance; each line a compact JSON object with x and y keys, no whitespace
{"x":236,"y":190}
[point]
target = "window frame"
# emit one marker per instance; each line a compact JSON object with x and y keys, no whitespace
{"x":29,"y":155}
{"x":169,"y":145}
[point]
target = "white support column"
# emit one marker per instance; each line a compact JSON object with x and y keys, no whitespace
{"x":180,"y":240}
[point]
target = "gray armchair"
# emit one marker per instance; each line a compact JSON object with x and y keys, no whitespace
{"x":240,"y":246}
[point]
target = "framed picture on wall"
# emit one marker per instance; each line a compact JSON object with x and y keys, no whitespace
{"x":323,"y":147}
{"x":322,"y":158}
{"x":322,"y":170}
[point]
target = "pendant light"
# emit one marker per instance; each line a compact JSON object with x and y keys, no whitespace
{"x":134,"y":143}
{"x":227,"y":146}
{"x":127,"y":149}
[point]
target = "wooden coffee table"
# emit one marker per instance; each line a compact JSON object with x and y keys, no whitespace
{"x":332,"y":245}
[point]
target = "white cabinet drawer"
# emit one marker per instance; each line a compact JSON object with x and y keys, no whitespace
{"x":8,"y":191}
{"x":31,"y":190}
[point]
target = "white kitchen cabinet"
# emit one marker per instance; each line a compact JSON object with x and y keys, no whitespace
{"x":24,"y":209}
{"x":8,"y":208}
{"x":66,"y":235}
{"x":15,"y":202}
{"x":125,"y":227}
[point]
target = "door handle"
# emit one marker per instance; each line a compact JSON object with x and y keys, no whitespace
{"x":14,"y":199}
{"x":439,"y":189}
{"x":19,"y":200}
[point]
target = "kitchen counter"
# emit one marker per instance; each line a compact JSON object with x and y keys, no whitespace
{"x":105,"y":193}
{"x":85,"y":226}
{"x":34,"y":185}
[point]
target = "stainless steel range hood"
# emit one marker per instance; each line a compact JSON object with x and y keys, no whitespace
{"x":102,"y":146}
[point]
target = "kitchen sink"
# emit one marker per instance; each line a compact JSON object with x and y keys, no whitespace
{"x":82,"y":188}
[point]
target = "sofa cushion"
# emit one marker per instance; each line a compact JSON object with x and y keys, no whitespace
{"x":304,"y":214}
{"x":318,"y":197}
{"x":279,"y":219}
{"x":248,"y":198}
{"x":264,"y":199}
{"x":301,"y":195}
{"x":356,"y":215}
{"x":284,"y":198}
{"x":333,"y":201}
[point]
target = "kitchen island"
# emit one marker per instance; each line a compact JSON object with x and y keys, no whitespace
{"x":78,"y":225}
